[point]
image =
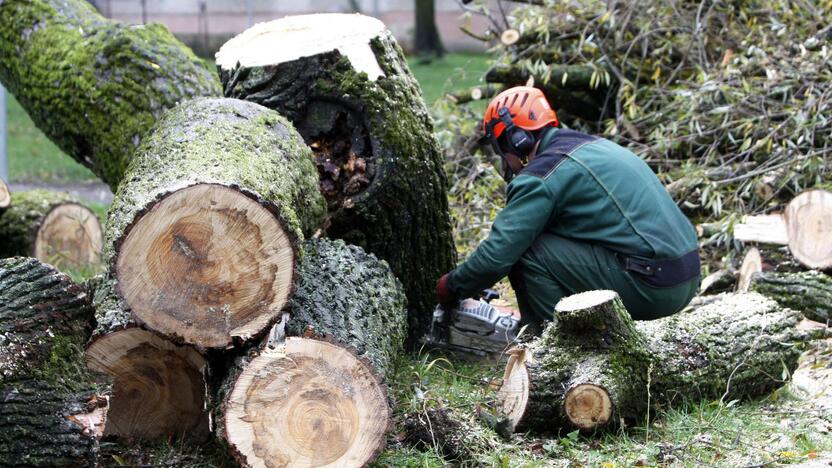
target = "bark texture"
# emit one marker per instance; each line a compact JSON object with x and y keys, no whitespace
{"x":52,"y":410}
{"x":76,"y":244}
{"x":731,"y":346}
{"x":401,"y":214}
{"x":92,"y":85}
{"x":318,"y":397}
{"x":238,"y":148}
{"x":809,"y":292}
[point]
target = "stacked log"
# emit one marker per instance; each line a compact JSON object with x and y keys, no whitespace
{"x":94,"y":86}
{"x":52,"y":410}
{"x":203,"y":233}
{"x":346,"y":86}
{"x":317,"y":396}
{"x":594,"y":366}
{"x":52,"y":227}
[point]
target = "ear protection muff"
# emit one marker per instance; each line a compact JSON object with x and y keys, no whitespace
{"x":520,"y":141}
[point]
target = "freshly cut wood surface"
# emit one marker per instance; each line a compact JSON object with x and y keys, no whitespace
{"x":591,"y":367}
{"x":52,"y":227}
{"x":752,"y":264}
{"x":204,"y":233}
{"x":5,"y":196}
{"x":345,"y":85}
{"x":767,"y":229}
{"x":158,"y":387}
{"x":809,"y":224}
{"x":307,"y":403}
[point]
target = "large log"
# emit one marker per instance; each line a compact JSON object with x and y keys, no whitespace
{"x":52,"y":227}
{"x":145,"y":367}
{"x":203,"y":233}
{"x":318,"y":397}
{"x":809,"y":292}
{"x":594,"y":366}
{"x":94,"y":86}
{"x":52,"y":411}
{"x":345,"y":84}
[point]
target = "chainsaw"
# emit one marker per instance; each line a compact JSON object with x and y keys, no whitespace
{"x":473,"y":326}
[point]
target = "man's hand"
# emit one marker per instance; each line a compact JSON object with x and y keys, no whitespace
{"x":443,"y":290}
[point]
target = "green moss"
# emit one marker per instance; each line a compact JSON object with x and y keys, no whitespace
{"x":94,"y":86}
{"x":65,"y":367}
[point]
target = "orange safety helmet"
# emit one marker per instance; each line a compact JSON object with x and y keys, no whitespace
{"x":527,"y":106}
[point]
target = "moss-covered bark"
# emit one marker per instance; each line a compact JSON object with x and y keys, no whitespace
{"x":94,"y":86}
{"x":350,"y":296}
{"x":809,"y":292}
{"x":402,"y":214}
{"x":19,"y":224}
{"x":732,"y":345}
{"x":51,"y":408}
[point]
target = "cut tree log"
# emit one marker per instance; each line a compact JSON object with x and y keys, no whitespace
{"x":159,"y":387}
{"x":346,"y":86}
{"x":202,"y":236}
{"x":5,"y":196}
{"x":809,"y":223}
{"x":594,"y":366}
{"x":809,"y":292}
{"x":52,"y":410}
{"x":318,"y":397}
{"x":94,"y":86}
{"x":52,"y":227}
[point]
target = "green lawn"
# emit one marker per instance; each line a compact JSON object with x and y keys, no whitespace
{"x":32,"y":157}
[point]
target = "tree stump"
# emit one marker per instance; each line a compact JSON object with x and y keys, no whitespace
{"x":52,"y":410}
{"x":592,"y":366}
{"x":346,"y":86}
{"x":92,"y":85}
{"x":203,"y":233}
{"x":52,"y":227}
{"x":319,"y":398}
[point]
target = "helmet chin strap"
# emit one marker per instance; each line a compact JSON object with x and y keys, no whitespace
{"x":512,"y":164}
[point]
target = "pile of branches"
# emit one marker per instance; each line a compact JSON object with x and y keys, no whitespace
{"x":727,"y":100}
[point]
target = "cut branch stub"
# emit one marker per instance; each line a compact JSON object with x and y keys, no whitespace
{"x":346,"y":86}
{"x":158,"y":387}
{"x":752,"y":264}
{"x":203,"y":234}
{"x":52,"y":227}
{"x":809,"y":224}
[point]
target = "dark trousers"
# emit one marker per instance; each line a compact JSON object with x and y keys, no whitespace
{"x":555,"y":267}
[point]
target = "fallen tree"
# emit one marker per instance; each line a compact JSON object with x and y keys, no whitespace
{"x":94,"y":86}
{"x":52,"y":227}
{"x":317,"y":396}
{"x":346,"y":86}
{"x":52,"y":411}
{"x":594,"y":366}
{"x":203,"y":233}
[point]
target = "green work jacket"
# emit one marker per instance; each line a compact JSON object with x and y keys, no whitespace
{"x":585,"y":188}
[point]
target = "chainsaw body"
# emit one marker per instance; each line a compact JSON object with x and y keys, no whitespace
{"x":473,"y":326}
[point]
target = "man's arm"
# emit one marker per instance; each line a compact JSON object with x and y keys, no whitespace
{"x":529,"y":208}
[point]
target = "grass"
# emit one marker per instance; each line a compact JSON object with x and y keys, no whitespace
{"x":451,"y":72}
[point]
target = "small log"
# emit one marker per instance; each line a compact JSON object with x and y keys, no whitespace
{"x":203,"y":234}
{"x":509,"y":37}
{"x":346,"y":86}
{"x":5,"y":196}
{"x":145,"y":367}
{"x":52,"y":227}
{"x":809,"y":224}
{"x":766,"y":229}
{"x":591,"y":368}
{"x":52,"y":410}
{"x":94,"y":86}
{"x":809,"y":292}
{"x":318,"y":397}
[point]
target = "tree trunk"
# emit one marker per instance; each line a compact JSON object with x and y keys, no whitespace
{"x":346,"y":86}
{"x":52,"y":227}
{"x":318,"y":397}
{"x":595,"y":366}
{"x":426,"y":40}
{"x":202,"y":236}
{"x":52,"y":411}
{"x":809,"y":292}
{"x":92,"y":85}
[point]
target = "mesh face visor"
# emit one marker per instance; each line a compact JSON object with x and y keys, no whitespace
{"x":505,"y":167}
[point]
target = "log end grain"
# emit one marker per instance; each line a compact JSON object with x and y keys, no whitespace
{"x":159,"y":387}
{"x":5,"y":196}
{"x":307,"y":402}
{"x":809,"y":224}
{"x":70,"y":236}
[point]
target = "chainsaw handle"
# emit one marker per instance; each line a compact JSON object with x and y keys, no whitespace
{"x":488,"y":295}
